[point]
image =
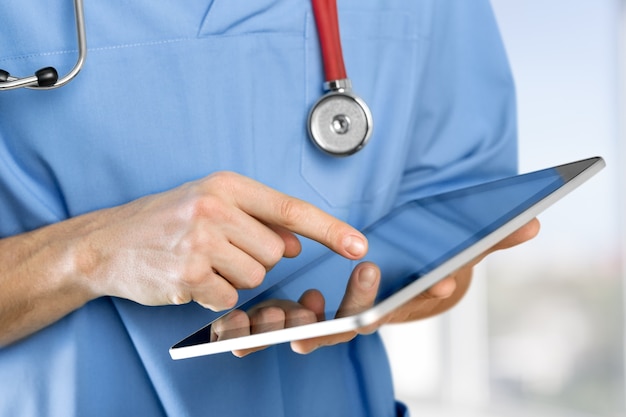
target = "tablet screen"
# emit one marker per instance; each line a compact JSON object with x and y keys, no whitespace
{"x":416,"y":239}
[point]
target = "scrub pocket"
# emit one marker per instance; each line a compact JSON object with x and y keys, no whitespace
{"x":383,"y":43}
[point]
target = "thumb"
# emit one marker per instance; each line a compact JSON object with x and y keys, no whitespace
{"x":361,"y":292}
{"x":360,"y":295}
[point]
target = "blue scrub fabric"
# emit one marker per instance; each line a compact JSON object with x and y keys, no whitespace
{"x":174,"y":91}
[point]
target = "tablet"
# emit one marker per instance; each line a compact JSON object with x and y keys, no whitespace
{"x":415,"y":246}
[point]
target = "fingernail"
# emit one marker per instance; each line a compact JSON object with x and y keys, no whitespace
{"x":367,"y":277}
{"x":354,"y":245}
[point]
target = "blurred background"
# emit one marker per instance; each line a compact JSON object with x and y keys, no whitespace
{"x":542,"y":330}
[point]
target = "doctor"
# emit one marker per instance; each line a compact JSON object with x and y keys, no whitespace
{"x":176,"y":170}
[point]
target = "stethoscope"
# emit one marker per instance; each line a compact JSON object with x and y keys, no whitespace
{"x":340,"y":122}
{"x":48,"y":78}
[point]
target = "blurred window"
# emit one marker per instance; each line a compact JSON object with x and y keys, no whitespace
{"x":541,"y":331}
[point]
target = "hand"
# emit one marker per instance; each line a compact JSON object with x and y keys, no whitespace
{"x":202,"y":241}
{"x":279,"y":314}
{"x":446,"y":293}
{"x":360,"y":294}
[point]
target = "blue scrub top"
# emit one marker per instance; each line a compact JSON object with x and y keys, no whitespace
{"x":173,"y":91}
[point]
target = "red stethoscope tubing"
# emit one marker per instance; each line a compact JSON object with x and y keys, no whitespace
{"x":327,"y":22}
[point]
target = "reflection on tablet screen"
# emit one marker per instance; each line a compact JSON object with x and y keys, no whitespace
{"x":407,"y":244}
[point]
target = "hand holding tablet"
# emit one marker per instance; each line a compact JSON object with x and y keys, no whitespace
{"x":416,"y":246}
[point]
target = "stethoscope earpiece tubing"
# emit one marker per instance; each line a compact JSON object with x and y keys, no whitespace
{"x":48,"y":78}
{"x":327,"y":22}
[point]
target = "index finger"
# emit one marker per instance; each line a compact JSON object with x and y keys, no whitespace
{"x":273,"y":207}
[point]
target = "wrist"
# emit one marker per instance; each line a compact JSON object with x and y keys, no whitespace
{"x":79,"y":259}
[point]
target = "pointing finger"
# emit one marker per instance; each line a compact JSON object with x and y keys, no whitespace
{"x":275,"y":208}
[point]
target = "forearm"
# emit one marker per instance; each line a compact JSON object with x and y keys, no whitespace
{"x":39,"y":280}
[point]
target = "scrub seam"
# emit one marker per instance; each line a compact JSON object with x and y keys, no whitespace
{"x":102,"y":48}
{"x":147,"y":43}
{"x":11,"y":168}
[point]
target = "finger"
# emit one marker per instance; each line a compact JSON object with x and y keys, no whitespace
{"x":293,"y":247}
{"x":361,"y":290}
{"x":263,"y":320}
{"x":446,"y":287}
{"x":445,"y":294}
{"x":276,"y":315}
{"x":421,"y":306}
{"x":207,"y":288}
{"x":240,"y":269}
{"x":273,"y":207}
{"x":523,"y":234}
{"x":314,"y":301}
{"x":428,"y":305}
{"x":231,"y":226}
{"x":267,"y":319}
{"x":279,"y":314}
{"x":360,"y":295}
{"x":234,"y":324}
{"x":442,"y":289}
{"x":240,"y":249}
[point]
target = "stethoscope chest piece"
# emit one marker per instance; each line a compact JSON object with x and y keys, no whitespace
{"x":340,"y":123}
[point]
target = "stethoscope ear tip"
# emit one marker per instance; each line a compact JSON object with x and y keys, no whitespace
{"x":47,"y":77}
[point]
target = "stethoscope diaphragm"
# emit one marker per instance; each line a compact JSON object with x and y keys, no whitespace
{"x":340,"y":122}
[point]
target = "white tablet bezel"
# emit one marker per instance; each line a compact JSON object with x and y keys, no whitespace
{"x":387,"y":305}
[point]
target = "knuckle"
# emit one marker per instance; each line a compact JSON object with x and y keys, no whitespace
{"x":192,"y":242}
{"x":300,"y":316}
{"x":180,"y":298}
{"x":192,"y":278}
{"x":221,"y":182}
{"x":212,"y":195}
{"x":290,"y":212}
{"x":235,"y":320}
{"x":221,"y":179}
{"x":331,"y":232}
{"x":275,"y":252}
{"x":228,"y":299}
{"x":223,"y":300}
{"x":256,"y":277}
{"x":272,"y":316}
{"x":271,"y":313}
{"x":211,"y":206}
{"x":194,"y":271}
